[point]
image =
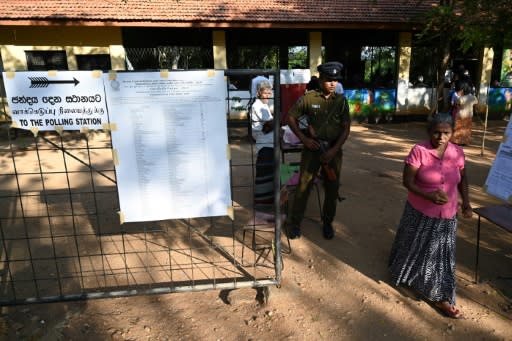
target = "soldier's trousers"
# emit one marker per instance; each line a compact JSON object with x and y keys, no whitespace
{"x":309,"y":168}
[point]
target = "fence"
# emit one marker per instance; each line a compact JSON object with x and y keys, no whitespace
{"x":61,"y":238}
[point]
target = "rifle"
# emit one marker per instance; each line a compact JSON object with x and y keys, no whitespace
{"x":328,"y":167}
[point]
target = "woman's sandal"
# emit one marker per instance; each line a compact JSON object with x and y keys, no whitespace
{"x":449,"y":310}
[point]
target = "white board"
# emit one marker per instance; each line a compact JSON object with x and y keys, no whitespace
{"x":49,"y":100}
{"x":170,"y":139}
{"x":499,"y":179}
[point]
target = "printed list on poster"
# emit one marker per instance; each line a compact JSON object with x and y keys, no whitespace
{"x":499,"y":179}
{"x":171,"y":142}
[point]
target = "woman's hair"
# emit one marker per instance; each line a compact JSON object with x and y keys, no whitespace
{"x":466,"y":88}
{"x":314,"y":83}
{"x":440,"y":118}
{"x":463,"y":85}
{"x":263,"y":85}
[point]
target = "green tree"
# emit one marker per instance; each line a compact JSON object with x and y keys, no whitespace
{"x":298,"y":57}
{"x":464,"y":24}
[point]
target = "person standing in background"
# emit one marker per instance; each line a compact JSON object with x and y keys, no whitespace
{"x":454,"y":99}
{"x":254,"y":84}
{"x":262,"y":125}
{"x":313,"y":84}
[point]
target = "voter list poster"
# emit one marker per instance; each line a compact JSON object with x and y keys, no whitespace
{"x":508,"y":134}
{"x":170,"y":144}
{"x":49,"y":100}
{"x":499,"y":179}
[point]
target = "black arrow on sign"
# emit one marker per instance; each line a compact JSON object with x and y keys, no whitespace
{"x":43,"y":82}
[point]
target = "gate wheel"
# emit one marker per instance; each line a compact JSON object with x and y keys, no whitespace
{"x":263,"y":294}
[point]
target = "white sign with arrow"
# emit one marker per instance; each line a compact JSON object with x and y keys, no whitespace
{"x":45,"y":100}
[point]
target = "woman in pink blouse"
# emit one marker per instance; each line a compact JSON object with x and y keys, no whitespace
{"x":423,"y":253}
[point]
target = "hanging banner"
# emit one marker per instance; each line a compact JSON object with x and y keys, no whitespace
{"x":293,"y":85}
{"x":51,"y":100}
{"x":169,"y":135}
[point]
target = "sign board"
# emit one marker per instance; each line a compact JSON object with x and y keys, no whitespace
{"x":499,"y":179}
{"x":49,"y":100}
{"x":170,"y":142}
{"x":508,"y":134}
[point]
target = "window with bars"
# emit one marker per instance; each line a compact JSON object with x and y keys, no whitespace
{"x":46,"y":60}
{"x":169,"y":57}
{"x":93,"y":62}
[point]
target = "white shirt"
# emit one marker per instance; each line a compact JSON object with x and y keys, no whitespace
{"x":260,"y":113}
{"x":466,"y":103}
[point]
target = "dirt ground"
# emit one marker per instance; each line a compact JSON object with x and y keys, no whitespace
{"x":331,"y":290}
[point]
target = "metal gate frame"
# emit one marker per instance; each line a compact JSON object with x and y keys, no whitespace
{"x":61,"y":238}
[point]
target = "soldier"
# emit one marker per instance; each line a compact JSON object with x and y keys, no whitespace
{"x":327,"y":114}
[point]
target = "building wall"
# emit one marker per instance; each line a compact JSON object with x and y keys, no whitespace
{"x":15,"y":40}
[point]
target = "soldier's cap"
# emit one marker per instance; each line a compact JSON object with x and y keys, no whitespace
{"x":330,"y":70}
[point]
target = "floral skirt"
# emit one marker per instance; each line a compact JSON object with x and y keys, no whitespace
{"x":462,"y":132}
{"x":423,"y":255}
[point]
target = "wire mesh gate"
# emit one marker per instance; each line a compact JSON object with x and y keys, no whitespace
{"x":61,"y":238}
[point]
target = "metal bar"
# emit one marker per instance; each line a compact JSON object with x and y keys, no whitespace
{"x":277,"y":176}
{"x":477,"y":249}
{"x":135,"y":292}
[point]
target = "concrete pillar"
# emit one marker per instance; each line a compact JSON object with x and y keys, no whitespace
{"x":117,"y":57}
{"x":485,"y":78}
{"x":219,"y":50}
{"x":13,"y":57}
{"x":404,"y":65}
{"x":315,"y":51}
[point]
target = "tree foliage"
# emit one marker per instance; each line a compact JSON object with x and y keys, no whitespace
{"x":298,"y":57}
{"x":471,"y":23}
{"x":464,"y":24}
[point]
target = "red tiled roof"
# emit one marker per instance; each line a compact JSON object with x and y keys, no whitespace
{"x":307,"y":13}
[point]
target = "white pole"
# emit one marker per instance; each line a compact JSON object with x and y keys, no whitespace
{"x":485,"y":123}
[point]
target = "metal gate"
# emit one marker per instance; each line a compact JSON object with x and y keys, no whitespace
{"x":61,"y":238}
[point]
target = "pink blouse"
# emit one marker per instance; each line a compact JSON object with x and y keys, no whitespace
{"x":435,"y":173}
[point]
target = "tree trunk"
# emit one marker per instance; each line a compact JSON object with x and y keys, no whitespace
{"x":442,"y":67}
{"x":444,"y":57}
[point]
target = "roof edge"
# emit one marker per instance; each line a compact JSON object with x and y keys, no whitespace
{"x":220,"y":25}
